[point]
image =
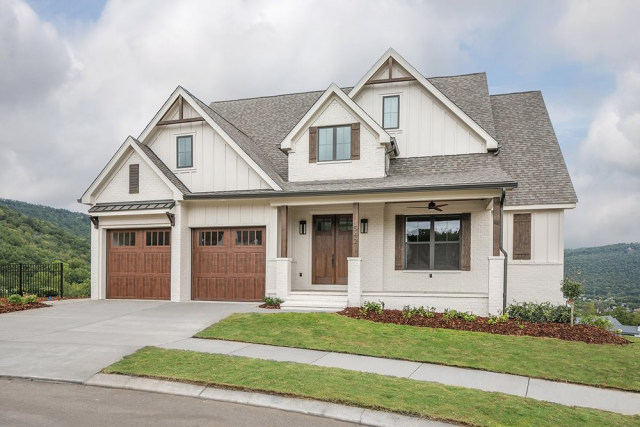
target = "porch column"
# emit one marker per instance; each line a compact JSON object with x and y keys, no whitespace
{"x":355,"y":250}
{"x":496,"y":274}
{"x":283,"y":278}
{"x":180,"y":255}
{"x":353,"y":281}
{"x":284,"y":211}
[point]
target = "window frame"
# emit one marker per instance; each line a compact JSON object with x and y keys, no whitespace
{"x":335,"y":143}
{"x":398,"y":121}
{"x":191,"y":138}
{"x":432,"y":243}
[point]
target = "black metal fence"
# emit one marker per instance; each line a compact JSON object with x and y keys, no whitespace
{"x":43,"y":280}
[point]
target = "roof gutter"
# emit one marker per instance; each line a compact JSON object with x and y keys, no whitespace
{"x":498,"y":185}
{"x":504,"y":253}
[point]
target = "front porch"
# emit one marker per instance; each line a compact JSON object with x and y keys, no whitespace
{"x":397,"y":250}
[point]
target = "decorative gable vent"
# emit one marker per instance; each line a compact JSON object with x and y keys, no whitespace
{"x":134,"y":179}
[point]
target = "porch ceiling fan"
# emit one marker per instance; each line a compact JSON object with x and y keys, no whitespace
{"x":431,"y":206}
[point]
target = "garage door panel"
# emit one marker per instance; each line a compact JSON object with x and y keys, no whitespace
{"x":137,"y":266}
{"x":225,"y":268}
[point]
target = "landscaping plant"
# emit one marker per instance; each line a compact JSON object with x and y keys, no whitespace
{"x":454,"y":314}
{"x":372,"y":307}
{"x":539,"y":312}
{"x":494,"y":320}
{"x":597,"y":321}
{"x":30,"y":299}
{"x":272,"y":302}
{"x":15,"y":299}
{"x":571,"y":289}
{"x":408,"y":312}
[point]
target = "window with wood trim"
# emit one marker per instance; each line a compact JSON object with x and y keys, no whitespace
{"x":334,"y":143}
{"x":432,"y":242}
{"x":522,"y":236}
{"x":391,"y":112}
{"x":124,"y":238}
{"x":158,"y":238}
{"x":211,"y":238}
{"x":134,"y":179}
{"x":249,"y":238}
{"x":184,"y":148}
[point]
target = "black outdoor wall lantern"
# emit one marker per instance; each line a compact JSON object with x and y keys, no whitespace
{"x":364,"y":226}
{"x":303,"y":227}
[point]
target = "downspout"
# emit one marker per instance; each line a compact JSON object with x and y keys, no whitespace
{"x":504,"y":253}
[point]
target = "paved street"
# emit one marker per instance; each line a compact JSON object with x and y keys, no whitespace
{"x":27,"y":403}
{"x":73,"y":340}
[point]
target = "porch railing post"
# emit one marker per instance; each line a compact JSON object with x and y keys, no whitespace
{"x":20,"y":275}
{"x":61,"y":280}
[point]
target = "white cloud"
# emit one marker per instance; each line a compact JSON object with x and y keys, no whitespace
{"x":606,"y":171}
{"x":89,"y":88}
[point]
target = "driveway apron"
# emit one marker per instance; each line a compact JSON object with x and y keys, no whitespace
{"x":75,"y":339}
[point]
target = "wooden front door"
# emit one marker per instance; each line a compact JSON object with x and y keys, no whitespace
{"x":228,"y":264}
{"x":332,"y":246}
{"x":139,"y":264}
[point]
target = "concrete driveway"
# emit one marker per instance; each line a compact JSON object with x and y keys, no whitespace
{"x":73,"y":340}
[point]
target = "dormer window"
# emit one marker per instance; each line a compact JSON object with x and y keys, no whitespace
{"x":185,"y":151}
{"x":334,"y":143}
{"x":391,"y":112}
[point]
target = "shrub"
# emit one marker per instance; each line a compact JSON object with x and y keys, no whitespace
{"x":272,"y":301}
{"x":30,"y":299}
{"x":571,"y":289}
{"x":15,"y":299}
{"x":494,"y":320}
{"x":372,"y":307}
{"x":77,"y":289}
{"x":408,"y":312}
{"x":597,"y":321}
{"x":539,"y":312}
{"x":454,"y":314}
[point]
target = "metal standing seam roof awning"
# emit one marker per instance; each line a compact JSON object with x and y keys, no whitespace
{"x":133,"y":206}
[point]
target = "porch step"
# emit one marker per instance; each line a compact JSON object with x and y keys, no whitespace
{"x":310,"y":301}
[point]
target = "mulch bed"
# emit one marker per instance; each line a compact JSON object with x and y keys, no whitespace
{"x":586,"y":333}
{"x":10,"y":308}
{"x":272,"y":307}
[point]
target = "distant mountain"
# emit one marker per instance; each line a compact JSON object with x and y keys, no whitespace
{"x":39,"y":234}
{"x":75,"y":223}
{"x":607,"y":271}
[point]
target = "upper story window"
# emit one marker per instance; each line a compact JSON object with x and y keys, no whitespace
{"x":432,"y":242}
{"x":185,"y":151}
{"x":334,"y":143}
{"x":391,"y":112}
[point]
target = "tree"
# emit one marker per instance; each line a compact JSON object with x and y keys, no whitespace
{"x":588,"y":309}
{"x":623,"y":315}
{"x":571,"y":289}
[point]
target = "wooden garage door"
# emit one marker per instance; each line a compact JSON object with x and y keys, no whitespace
{"x":139,"y":264}
{"x":228,"y":264}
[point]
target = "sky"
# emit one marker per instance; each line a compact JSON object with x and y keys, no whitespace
{"x":78,"y":77}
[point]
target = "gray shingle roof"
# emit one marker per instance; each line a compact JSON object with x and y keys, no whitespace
{"x":163,"y":168}
{"x":530,"y":150}
{"x":470,"y":92}
{"x":438,"y":172}
{"x":244,"y":141}
{"x":520,"y":122}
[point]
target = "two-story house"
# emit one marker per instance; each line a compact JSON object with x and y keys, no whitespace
{"x":405,"y":189}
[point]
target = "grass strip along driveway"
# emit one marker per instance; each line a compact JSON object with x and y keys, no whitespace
{"x":404,"y":396}
{"x":597,"y":365}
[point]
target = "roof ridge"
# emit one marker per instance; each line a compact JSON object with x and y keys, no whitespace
{"x":273,"y":96}
{"x":456,"y":75}
{"x":517,"y":93}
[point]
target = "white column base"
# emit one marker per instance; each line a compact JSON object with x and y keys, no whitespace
{"x":283,"y":278}
{"x":496,"y":284}
{"x":353,"y":282}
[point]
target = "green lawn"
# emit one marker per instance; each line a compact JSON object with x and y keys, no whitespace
{"x":423,"y":399}
{"x":577,"y":362}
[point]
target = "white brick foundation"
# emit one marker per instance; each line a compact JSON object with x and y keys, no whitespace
{"x":353,"y":285}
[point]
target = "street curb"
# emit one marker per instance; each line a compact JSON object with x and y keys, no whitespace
{"x":298,"y":405}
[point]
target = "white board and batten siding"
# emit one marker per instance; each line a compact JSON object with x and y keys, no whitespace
{"x":216,"y":165}
{"x":151,"y":185}
{"x":427,"y":127}
{"x":547,"y":242}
